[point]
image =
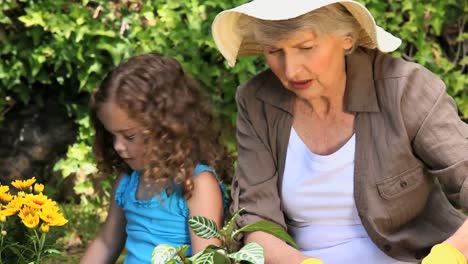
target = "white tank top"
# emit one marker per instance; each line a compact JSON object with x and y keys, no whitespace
{"x":317,"y":195}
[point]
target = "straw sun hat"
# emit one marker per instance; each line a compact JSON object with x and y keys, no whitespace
{"x":231,"y":45}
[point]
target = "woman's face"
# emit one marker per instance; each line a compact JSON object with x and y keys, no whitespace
{"x":127,"y":134}
{"x":307,"y":64}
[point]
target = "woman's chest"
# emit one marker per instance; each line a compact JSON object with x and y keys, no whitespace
{"x":324,"y":137}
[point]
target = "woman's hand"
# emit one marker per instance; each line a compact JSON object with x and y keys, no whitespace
{"x":458,"y":242}
{"x":444,"y":254}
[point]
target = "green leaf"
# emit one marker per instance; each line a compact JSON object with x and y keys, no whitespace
{"x":164,"y":253}
{"x":207,"y":258}
{"x":220,"y":257}
{"x":252,"y":252}
{"x":229,"y":226}
{"x":270,"y":228}
{"x":32,"y":19}
{"x":204,"y":227}
{"x":52,"y":251}
{"x":208,"y":249}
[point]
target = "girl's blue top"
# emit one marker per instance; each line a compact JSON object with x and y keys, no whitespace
{"x":161,"y":220}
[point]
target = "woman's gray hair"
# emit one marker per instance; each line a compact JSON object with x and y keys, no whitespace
{"x":331,"y":19}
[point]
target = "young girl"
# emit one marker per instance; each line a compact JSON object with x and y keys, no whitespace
{"x":155,"y":129}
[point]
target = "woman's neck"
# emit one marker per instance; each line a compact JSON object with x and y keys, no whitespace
{"x":331,"y":101}
{"x":325,"y":106}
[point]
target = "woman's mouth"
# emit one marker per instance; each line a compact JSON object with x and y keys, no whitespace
{"x":300,"y":85}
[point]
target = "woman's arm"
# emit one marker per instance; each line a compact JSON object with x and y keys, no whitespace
{"x":460,"y":239}
{"x":207,"y":201}
{"x":440,"y":141}
{"x":255,"y":183}
{"x":107,"y":246}
{"x":276,"y":251}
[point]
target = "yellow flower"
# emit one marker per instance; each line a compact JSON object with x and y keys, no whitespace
{"x":8,"y":211}
{"x":38,"y":188}
{"x":4,"y":232}
{"x":14,"y":205}
{"x":37,"y":200}
{"x":31,"y":221}
{"x":51,"y":216}
{"x":5,"y":212}
{"x":29,"y":216}
{"x":5,"y":197}
{"x":45,"y":227}
{"x":24,"y":185}
{"x":4,"y":189}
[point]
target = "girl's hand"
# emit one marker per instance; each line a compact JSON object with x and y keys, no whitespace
{"x":444,"y":254}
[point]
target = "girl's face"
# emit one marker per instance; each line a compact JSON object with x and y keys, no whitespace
{"x":307,"y":64}
{"x":127,"y":134}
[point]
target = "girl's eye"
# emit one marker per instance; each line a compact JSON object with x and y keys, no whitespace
{"x":129,"y":137}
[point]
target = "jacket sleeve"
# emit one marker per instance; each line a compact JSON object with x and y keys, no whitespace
{"x":441,"y":137}
{"x":255,"y":183}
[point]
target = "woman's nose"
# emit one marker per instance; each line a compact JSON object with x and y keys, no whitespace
{"x":292,"y":67}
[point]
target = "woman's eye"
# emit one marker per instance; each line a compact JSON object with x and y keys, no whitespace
{"x":307,"y":47}
{"x":273,"y":51}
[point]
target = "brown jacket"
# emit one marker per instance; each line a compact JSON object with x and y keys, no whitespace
{"x":410,"y":143}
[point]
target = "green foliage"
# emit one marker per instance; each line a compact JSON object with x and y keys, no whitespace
{"x":433,"y":35}
{"x":227,"y":252}
{"x":250,"y":253}
{"x":85,"y":219}
{"x":68,"y":47}
{"x":166,"y":253}
{"x":204,"y":227}
{"x":267,"y":227}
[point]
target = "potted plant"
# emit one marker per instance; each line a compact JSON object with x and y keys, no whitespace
{"x":227,"y":252}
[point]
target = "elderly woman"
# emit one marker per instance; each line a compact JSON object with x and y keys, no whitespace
{"x":346,"y":147}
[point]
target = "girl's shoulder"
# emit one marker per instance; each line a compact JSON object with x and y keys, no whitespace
{"x":200,"y":168}
{"x":125,"y":184}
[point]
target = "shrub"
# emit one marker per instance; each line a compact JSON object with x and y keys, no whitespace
{"x":67,"y":47}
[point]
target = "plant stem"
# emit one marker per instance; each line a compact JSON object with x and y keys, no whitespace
{"x":41,"y":242}
{"x":183,"y":258}
{"x":1,"y":243}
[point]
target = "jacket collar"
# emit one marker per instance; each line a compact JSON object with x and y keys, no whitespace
{"x":360,"y":95}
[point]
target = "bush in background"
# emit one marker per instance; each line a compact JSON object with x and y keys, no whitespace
{"x":67,"y":46}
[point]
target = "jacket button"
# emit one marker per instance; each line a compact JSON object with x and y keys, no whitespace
{"x":387,"y":247}
{"x":418,"y":256}
{"x":403,"y":184}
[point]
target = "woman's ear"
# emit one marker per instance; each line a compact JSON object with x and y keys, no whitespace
{"x":348,"y":42}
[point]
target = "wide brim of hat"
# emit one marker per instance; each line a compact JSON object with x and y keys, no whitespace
{"x":231,"y":44}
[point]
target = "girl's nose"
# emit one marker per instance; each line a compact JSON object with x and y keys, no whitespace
{"x":118,"y":145}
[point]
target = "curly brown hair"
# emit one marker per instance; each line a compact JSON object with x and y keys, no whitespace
{"x":180,"y":127}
